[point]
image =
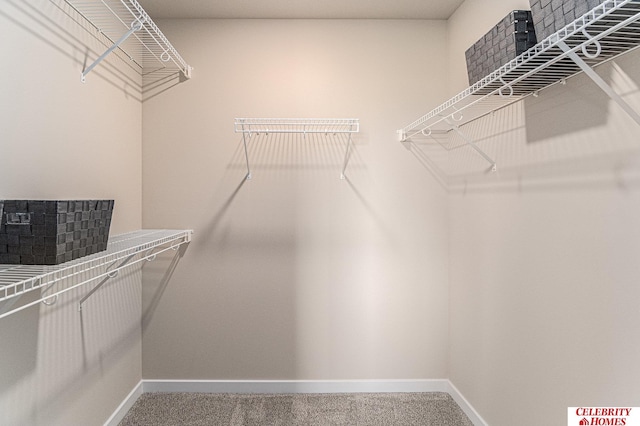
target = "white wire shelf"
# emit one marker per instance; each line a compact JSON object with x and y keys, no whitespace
{"x":297,"y":125}
{"x":130,"y":29}
{"x":608,"y":30}
{"x":122,"y":251}
{"x":329,"y":126}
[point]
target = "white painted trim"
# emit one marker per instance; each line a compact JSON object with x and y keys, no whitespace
{"x":126,"y":405}
{"x":468,"y":409}
{"x":296,"y":386}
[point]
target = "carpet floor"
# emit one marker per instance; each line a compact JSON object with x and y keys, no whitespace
{"x":379,"y":409}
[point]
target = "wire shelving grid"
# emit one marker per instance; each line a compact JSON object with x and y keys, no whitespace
{"x":328,"y":126}
{"x":122,"y":251}
{"x":131,"y":30}
{"x":605,"y":32}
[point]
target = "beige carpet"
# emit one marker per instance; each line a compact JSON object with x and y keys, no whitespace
{"x":196,"y":409}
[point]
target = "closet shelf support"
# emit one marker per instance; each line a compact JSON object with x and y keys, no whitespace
{"x":599,"y":81}
{"x":246,"y":153}
{"x":110,"y":273}
{"x":346,"y":159}
{"x":472,"y":144}
{"x":136,"y":25}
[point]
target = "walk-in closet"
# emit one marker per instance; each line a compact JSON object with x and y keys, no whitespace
{"x":319,"y":212}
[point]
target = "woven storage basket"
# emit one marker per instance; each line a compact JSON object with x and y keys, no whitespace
{"x":45,"y":232}
{"x":550,"y":16}
{"x":511,"y":37}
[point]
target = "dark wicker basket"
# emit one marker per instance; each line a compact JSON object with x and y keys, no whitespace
{"x":510,"y":38}
{"x":550,"y":16}
{"x":46,"y":232}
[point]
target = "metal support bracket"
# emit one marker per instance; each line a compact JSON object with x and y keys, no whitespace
{"x":346,"y":159}
{"x":472,"y":144}
{"x":110,"y":274}
{"x":597,"y":79}
{"x":149,"y":256}
{"x":246,"y":153}
{"x":136,"y":25}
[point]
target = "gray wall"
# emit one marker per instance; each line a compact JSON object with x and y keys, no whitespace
{"x":62,"y":139}
{"x":297,"y":274}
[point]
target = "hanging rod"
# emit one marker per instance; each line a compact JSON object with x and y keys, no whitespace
{"x":131,"y":30}
{"x":333,"y":126}
{"x":603,"y":33}
{"x":18,"y":280}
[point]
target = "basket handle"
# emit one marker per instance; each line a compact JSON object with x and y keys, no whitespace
{"x":18,"y":218}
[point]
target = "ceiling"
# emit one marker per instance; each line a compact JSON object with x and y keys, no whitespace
{"x":301,"y":9}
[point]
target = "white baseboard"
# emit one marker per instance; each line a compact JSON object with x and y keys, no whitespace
{"x":126,"y":405}
{"x":468,"y":409}
{"x":296,"y":386}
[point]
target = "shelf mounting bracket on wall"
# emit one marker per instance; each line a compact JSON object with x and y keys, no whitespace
{"x":346,"y":159}
{"x":136,"y":25}
{"x":304,"y":126}
{"x":110,"y":273}
{"x":471,"y":143}
{"x":246,"y":152}
{"x":599,"y":81}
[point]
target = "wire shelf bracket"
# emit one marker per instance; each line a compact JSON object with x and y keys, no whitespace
{"x":602,"y":34}
{"x":123,"y":251}
{"x":136,"y":35}
{"x":473,"y":145}
{"x":135,"y":26}
{"x":599,"y":81}
{"x":304,"y":126}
